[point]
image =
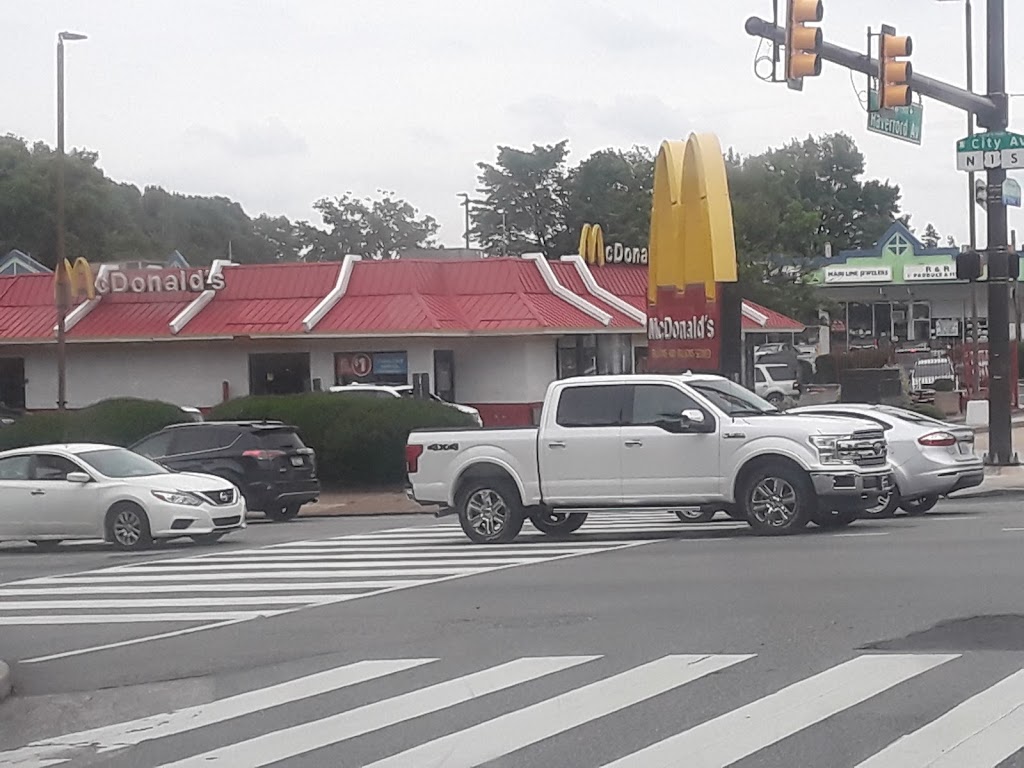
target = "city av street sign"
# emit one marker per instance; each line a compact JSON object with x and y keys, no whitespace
{"x":902,"y":123}
{"x":990,"y":150}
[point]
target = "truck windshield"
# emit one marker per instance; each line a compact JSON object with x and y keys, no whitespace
{"x":732,"y":398}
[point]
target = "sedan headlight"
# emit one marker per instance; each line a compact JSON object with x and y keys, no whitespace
{"x":828,"y":450}
{"x":179,"y":497}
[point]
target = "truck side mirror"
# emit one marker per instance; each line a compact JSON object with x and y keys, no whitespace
{"x":692,"y":417}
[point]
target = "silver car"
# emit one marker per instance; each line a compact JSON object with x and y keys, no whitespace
{"x":930,"y":458}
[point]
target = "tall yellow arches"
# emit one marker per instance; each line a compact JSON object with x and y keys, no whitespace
{"x":692,"y":239}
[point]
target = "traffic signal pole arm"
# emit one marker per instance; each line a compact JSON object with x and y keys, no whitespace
{"x":991,"y":112}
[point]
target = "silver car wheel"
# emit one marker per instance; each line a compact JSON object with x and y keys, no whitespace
{"x":127,"y":528}
{"x":773,"y":502}
{"x":487,"y":513}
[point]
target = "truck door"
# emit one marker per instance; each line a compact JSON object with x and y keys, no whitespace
{"x":664,"y":458}
{"x":579,"y":446}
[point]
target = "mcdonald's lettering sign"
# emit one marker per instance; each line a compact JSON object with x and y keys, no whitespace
{"x":82,"y":283}
{"x":594,"y":251}
{"x":692,"y":255}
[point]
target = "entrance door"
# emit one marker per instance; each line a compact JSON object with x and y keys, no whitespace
{"x":444,"y":374}
{"x":285,"y":373}
{"x":12,"y":383}
{"x":662,"y":459}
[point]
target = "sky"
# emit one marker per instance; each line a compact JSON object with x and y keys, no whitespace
{"x":277,"y":103}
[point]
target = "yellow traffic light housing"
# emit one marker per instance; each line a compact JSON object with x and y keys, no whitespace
{"x":803,"y":42}
{"x":894,"y":75}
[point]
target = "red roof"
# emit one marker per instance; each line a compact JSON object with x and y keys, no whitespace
{"x":264,"y":299}
{"x":424,"y":296}
{"x":504,"y":295}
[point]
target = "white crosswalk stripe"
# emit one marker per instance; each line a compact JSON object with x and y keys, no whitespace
{"x":980,"y":732}
{"x":238,"y":585}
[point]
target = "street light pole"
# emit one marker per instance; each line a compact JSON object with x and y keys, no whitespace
{"x":62,"y":282}
{"x":1000,"y":428}
{"x":465,"y":204}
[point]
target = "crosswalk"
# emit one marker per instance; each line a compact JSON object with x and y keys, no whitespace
{"x":239,"y":585}
{"x":434,"y":713}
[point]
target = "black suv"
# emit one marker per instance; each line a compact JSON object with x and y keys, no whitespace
{"x":266,"y":460}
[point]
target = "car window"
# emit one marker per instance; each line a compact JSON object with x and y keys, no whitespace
{"x":732,"y":398}
{"x":591,"y":406}
{"x":759,"y":376}
{"x":14,"y":468}
{"x":200,"y":439}
{"x":48,"y":467}
{"x":156,"y":446}
{"x":913,"y":418}
{"x":656,"y":403}
{"x":120,"y":462}
{"x":279,"y":439}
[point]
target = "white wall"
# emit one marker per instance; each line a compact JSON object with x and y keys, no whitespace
{"x":502,"y":369}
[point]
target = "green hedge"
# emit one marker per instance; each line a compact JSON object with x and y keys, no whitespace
{"x":121,"y":421}
{"x":358,"y":441}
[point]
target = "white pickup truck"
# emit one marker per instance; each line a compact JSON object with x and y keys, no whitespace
{"x":650,"y":442}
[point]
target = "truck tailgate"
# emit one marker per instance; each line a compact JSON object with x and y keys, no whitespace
{"x":436,"y":459}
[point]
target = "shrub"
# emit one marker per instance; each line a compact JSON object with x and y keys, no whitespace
{"x":358,"y":441}
{"x":121,"y":421}
{"x":943,"y":385}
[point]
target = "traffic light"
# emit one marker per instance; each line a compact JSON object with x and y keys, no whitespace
{"x":894,"y":75}
{"x":968,"y":266}
{"x":803,"y":43}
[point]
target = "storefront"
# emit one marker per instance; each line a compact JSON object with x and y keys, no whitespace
{"x":490,"y":333}
{"x":899,"y":292}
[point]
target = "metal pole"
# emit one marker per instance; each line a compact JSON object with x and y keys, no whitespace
{"x":62,"y":284}
{"x":1000,"y":450}
{"x":971,"y":204}
{"x":465,"y":204}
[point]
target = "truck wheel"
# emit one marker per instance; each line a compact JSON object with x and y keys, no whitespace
{"x":884,"y":507}
{"x":490,"y":511}
{"x":778,"y":499}
{"x":696,"y":514}
{"x":919,"y":506}
{"x":555,"y":523}
{"x":832,"y":519}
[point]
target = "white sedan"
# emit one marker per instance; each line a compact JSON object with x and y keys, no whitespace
{"x":49,"y":493}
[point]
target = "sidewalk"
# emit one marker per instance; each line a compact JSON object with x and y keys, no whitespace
{"x":364,"y":504}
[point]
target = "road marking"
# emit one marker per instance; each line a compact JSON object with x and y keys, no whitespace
{"x":981,"y":733}
{"x":274,"y":563}
{"x":132,"y":641}
{"x":865,"y":533}
{"x":298,"y":586}
{"x":301,"y":739}
{"x":128,"y":734}
{"x":172,"y":602}
{"x":129,"y":618}
{"x":742,"y":732}
{"x":516,"y":730}
{"x":1013,"y":529}
{"x":136,"y":576}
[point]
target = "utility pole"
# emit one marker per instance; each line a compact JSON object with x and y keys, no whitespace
{"x":1000,"y":447}
{"x":465,"y":204}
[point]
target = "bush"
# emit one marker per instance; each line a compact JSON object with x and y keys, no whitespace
{"x":121,"y":421}
{"x":358,"y":441}
{"x":943,"y":385}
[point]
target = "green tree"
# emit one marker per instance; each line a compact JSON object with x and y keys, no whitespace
{"x":611,"y":188}
{"x":524,"y":201}
{"x":931,"y":236}
{"x":375,"y":228}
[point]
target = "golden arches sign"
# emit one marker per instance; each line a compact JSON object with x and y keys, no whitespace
{"x":592,"y":244}
{"x":692,"y":238}
{"x":77,"y":278}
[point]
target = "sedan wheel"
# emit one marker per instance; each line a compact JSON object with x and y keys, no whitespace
{"x":919,"y":506}
{"x":283,"y":514}
{"x":884,"y":506}
{"x":558,"y":523}
{"x":128,"y":528}
{"x":696,"y":514}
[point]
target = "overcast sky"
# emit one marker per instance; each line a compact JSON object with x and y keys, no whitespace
{"x":276,"y":103}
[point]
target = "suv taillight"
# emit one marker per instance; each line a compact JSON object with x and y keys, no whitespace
{"x":412,"y":458}
{"x":261,"y":455}
{"x":937,"y":439}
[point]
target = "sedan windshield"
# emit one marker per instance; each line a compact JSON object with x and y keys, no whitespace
{"x":120,"y":462}
{"x":732,"y":398}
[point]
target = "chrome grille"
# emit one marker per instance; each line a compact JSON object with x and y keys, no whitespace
{"x":865,"y":448}
{"x":219,"y":498}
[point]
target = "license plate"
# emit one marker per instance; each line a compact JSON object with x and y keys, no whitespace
{"x":296,"y":461}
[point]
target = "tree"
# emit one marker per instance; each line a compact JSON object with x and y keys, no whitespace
{"x":950,"y":241}
{"x":931,"y":236}
{"x":375,"y":228}
{"x":611,"y":188}
{"x":524,"y":201}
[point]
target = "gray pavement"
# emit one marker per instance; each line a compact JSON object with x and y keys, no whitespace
{"x":635,"y":643}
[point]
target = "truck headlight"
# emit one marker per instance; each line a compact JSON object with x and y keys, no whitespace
{"x":828,"y":450}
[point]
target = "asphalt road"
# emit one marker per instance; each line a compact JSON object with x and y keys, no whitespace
{"x":635,"y":643}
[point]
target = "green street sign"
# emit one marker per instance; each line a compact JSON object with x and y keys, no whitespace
{"x":902,"y":123}
{"x":990,"y":150}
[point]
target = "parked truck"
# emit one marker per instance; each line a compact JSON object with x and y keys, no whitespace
{"x":650,"y":442}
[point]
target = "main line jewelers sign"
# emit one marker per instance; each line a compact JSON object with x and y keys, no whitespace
{"x":846,"y":274}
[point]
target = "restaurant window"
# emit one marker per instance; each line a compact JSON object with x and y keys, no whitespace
{"x":279,"y":373}
{"x":371,"y":368}
{"x":12,"y":383}
{"x":590,"y":354}
{"x":922,"y":321}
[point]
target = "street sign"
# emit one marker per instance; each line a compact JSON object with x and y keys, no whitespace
{"x":902,"y":123}
{"x":985,"y":151}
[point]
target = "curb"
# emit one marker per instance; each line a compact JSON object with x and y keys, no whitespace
{"x":5,"y":681}
{"x":994,"y":492}
{"x":364,"y":514}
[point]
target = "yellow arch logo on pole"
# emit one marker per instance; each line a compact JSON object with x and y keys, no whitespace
{"x":76,"y":279}
{"x":692,"y":239}
{"x":592,"y":244}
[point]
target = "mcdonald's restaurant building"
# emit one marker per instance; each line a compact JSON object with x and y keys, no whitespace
{"x":488,"y":332}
